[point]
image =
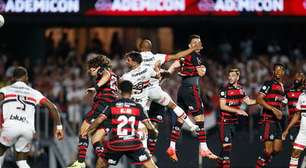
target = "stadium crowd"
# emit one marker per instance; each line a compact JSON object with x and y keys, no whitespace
{"x":63,"y":78}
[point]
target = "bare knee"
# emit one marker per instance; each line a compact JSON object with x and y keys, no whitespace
{"x":296,"y":153}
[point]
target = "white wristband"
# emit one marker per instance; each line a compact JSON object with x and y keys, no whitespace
{"x":59,"y":127}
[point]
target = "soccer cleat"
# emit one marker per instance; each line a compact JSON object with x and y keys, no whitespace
{"x":77,"y":164}
{"x":207,"y":153}
{"x":172,"y":154}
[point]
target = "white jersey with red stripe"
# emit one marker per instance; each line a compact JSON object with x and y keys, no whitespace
{"x":300,"y":142}
{"x":19,"y":105}
{"x":140,"y":78}
{"x":150,"y":59}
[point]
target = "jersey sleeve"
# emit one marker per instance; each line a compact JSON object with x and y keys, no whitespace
{"x":265,"y":88}
{"x":108,"y":112}
{"x":40,"y":98}
{"x":222,"y":92}
{"x":162,"y":58}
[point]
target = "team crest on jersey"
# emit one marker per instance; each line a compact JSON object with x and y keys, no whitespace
{"x":142,"y":158}
{"x":190,"y":108}
{"x":222,"y":93}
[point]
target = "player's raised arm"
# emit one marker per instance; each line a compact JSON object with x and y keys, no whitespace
{"x":171,"y":57}
{"x":59,"y":133}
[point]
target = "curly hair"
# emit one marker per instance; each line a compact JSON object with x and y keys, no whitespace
{"x":99,"y":60}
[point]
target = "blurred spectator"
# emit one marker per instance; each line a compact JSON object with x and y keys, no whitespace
{"x":116,"y":47}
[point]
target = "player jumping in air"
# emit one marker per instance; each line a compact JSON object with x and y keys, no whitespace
{"x":189,"y":97}
{"x":19,"y":103}
{"x":106,"y":91}
{"x":160,"y":99}
{"x":231,"y":96}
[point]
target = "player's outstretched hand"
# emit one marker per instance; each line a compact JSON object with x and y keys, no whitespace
{"x":284,"y":134}
{"x":59,"y":134}
{"x":90,"y":90}
{"x":278,"y":114}
{"x":241,"y":112}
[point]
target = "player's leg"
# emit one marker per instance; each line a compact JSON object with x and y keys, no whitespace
{"x":8,"y":138}
{"x":201,"y":133}
{"x":267,"y":137}
{"x":101,"y":163}
{"x":225,"y":132}
{"x":97,"y":141}
{"x":23,"y":146}
{"x":149,"y":164}
{"x":164,"y":99}
{"x":156,"y":116}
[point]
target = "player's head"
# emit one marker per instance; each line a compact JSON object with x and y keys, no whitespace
{"x":299,"y":79}
{"x":133,"y":59}
{"x":97,"y":64}
{"x":279,"y":71}
{"x":126,"y":88}
{"x":20,"y":74}
{"x":145,"y":45}
{"x":233,"y":75}
{"x":194,"y":40}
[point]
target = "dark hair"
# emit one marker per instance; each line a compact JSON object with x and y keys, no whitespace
{"x":279,"y":65}
{"x":194,"y":36}
{"x":19,"y":72}
{"x":236,"y":70}
{"x":135,"y":56}
{"x":126,"y":87}
{"x":99,"y":60}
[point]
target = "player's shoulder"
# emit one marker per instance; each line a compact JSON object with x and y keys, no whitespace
{"x":268,"y":82}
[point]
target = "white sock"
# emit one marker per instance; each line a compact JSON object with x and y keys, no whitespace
{"x":293,"y":162}
{"x":2,"y":159}
{"x":173,"y":144}
{"x":180,"y":112}
{"x":22,"y":164}
{"x":203,"y":145}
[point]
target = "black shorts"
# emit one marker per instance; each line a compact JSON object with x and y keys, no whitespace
{"x":294,"y":131}
{"x":96,"y":109}
{"x":226,"y":132}
{"x":189,"y":98}
{"x":270,"y":130}
{"x":136,"y":156}
{"x":156,"y":112}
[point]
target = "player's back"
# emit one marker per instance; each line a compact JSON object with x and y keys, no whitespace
{"x":19,"y":105}
{"x":125,"y":116}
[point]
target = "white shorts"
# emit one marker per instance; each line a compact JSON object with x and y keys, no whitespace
{"x":159,"y":96}
{"x":21,"y":137}
{"x":300,"y":140}
{"x":144,"y":102}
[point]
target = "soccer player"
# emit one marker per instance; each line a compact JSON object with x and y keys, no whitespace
{"x":106,"y":91}
{"x":271,"y":97}
{"x":189,"y":97}
{"x":292,"y":96}
{"x":125,"y":116}
{"x":160,"y":99}
{"x":19,"y":103}
{"x":231,"y":96}
{"x":299,"y":143}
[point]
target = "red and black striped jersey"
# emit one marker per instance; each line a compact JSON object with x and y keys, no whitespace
{"x":293,"y":96}
{"x":125,"y":115}
{"x":274,"y":95}
{"x":234,"y":96}
{"x":109,"y":91}
{"x":189,"y":65}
